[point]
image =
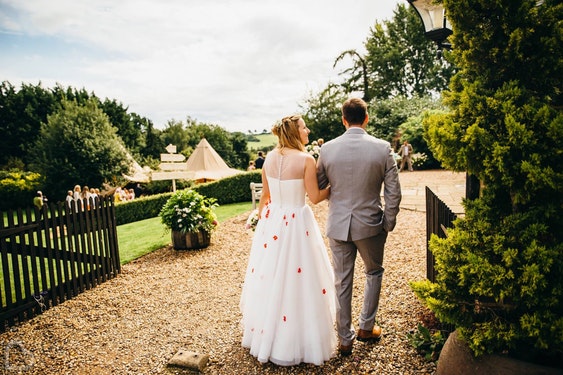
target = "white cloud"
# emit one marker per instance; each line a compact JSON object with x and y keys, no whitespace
{"x":239,"y":64}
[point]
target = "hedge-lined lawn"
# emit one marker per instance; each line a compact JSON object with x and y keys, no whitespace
{"x":141,"y":237}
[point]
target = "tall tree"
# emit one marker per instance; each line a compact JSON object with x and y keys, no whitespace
{"x":322,"y":113}
{"x":78,"y":145}
{"x":401,"y":61}
{"x":387,"y":115}
{"x":500,"y":270}
{"x":359,"y":72}
{"x":21,"y":114}
{"x":153,"y":144}
{"x":174,"y":133}
{"x":240,"y":150}
{"x":128,"y":129}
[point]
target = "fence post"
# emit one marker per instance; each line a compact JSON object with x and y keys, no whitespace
{"x":438,"y":217}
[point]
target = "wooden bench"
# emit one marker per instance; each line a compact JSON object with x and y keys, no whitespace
{"x":256,"y":191}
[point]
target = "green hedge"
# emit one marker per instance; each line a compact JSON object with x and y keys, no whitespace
{"x":140,"y":208}
{"x":228,"y":190}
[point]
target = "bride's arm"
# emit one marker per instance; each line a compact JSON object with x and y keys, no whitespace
{"x":315,"y":194}
{"x":265,"y":197}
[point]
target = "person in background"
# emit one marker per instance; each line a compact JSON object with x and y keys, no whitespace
{"x":117,"y":194}
{"x":38,"y":200}
{"x":138,"y":190}
{"x":69,"y":198}
{"x":251,"y":166}
{"x":320,"y":142}
{"x":85,"y":197}
{"x":357,"y":166}
{"x":287,"y":302}
{"x":259,"y":162}
{"x":94,"y":196}
{"x":406,"y":154}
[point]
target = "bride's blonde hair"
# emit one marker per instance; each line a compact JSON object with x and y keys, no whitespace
{"x":287,"y":131}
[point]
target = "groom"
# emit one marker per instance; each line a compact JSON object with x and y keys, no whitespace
{"x":356,"y":166}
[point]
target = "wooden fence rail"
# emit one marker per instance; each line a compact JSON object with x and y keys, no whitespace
{"x":51,"y":255}
{"x":439,"y":217}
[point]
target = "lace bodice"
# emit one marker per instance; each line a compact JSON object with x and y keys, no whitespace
{"x":285,"y":177}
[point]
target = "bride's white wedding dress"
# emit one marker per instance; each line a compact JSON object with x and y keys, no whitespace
{"x":288,"y":298}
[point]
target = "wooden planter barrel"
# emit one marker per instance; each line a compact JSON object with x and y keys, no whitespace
{"x":190,"y":240}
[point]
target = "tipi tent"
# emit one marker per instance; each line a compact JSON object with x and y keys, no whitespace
{"x":206,"y":164}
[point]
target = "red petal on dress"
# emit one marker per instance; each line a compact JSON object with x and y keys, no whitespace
{"x":299,"y":270}
{"x":275,"y":237}
{"x":293,"y":215}
{"x":324,"y":291}
{"x":307,"y":232}
{"x":265,"y":245}
{"x":284,"y":319}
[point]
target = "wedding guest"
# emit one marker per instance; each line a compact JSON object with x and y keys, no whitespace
{"x":69,"y":198}
{"x":38,"y":200}
{"x":406,"y":154}
{"x":85,"y":197}
{"x":117,"y":195}
{"x":94,"y":196}
{"x":76,"y":193}
{"x":259,"y":162}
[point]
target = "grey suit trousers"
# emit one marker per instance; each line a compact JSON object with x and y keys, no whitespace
{"x":344,"y":258}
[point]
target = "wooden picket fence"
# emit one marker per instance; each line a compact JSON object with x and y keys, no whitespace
{"x":51,"y":255}
{"x":439,"y":217}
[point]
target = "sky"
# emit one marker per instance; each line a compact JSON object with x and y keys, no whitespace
{"x":239,"y":64}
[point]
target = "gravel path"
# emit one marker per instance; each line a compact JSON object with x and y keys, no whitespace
{"x":170,"y":300}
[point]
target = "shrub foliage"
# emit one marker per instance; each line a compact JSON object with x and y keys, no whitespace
{"x":500,"y":270}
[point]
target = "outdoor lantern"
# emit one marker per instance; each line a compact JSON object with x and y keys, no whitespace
{"x":436,"y":27}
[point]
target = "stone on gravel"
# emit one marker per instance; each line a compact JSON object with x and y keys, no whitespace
{"x":190,"y":360}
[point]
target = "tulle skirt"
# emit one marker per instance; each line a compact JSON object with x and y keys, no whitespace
{"x":288,"y":299}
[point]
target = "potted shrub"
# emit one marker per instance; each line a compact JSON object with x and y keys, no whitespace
{"x":191,"y":218}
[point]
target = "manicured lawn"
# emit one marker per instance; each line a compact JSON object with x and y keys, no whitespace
{"x":142,"y":237}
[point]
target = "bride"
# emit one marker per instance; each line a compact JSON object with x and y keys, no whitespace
{"x":288,"y":298}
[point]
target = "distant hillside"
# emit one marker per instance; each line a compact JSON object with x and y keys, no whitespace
{"x":261,"y":141}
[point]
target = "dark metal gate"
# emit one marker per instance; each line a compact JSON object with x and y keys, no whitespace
{"x":439,"y":217}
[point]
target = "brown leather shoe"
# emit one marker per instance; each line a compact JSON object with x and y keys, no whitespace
{"x":373,"y":335}
{"x":345,"y":350}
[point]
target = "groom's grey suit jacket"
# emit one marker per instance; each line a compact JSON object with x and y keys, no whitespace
{"x":357,"y":165}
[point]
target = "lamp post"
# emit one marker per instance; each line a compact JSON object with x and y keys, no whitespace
{"x":437,"y":28}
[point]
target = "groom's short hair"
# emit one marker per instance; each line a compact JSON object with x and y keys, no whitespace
{"x":354,"y":111}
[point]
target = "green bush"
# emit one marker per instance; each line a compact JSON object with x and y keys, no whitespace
{"x":18,"y":188}
{"x":232,"y":189}
{"x":427,"y":342}
{"x":500,"y":270}
{"x":140,"y":208}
